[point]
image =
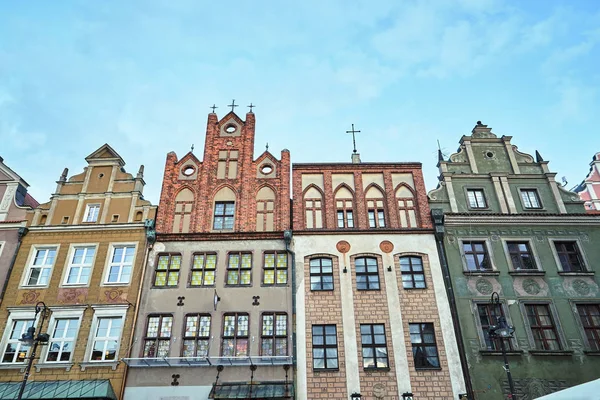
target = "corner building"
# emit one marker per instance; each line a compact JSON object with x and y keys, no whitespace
{"x":82,"y":255}
{"x":216,"y":316}
{"x":372,"y":313}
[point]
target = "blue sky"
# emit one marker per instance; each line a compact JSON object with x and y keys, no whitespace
{"x":141,"y":75}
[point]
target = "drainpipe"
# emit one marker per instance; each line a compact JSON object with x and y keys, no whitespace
{"x":150,"y":239}
{"x":21,"y":233}
{"x":287,"y":238}
{"x":437,"y":215}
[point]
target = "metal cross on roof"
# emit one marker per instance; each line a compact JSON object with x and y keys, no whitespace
{"x":267,"y":146}
{"x":213,"y":108}
{"x":251,"y":106}
{"x":353,"y":137}
{"x":232,"y":105}
{"x":192,"y":147}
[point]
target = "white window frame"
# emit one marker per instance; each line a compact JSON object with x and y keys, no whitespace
{"x":68,"y":264}
{"x":536,"y":259}
{"x":2,"y":245}
{"x":488,"y":247}
{"x":553,"y":239}
{"x":537,"y":193}
{"x":485,"y":198}
{"x":61,"y":313}
{"x":16,"y":315}
{"x":111,"y":250}
{"x":87,"y":214}
{"x":116,"y":311}
{"x":32,"y":252}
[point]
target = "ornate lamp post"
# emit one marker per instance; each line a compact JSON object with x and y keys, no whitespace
{"x":355,"y":396}
{"x":30,"y":339}
{"x":407,"y":396}
{"x":502,"y":331}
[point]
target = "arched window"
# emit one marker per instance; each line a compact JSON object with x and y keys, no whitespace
{"x":224,"y":211}
{"x":413,"y":275}
{"x":344,"y":205}
{"x":184,"y":203}
{"x":265,"y":210}
{"x":367,"y":273}
{"x":375,"y":209}
{"x":313,"y":208}
{"x":406,"y":207}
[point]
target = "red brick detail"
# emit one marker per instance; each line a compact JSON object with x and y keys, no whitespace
{"x":245,"y":185}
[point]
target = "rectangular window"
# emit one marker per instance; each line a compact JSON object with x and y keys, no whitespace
{"x":120,"y":265}
{"x":324,"y":343}
{"x":367,"y":274}
{"x":476,"y":256}
{"x":374,"y":346}
{"x":376,"y":214}
{"x":274,"y":335}
{"x":476,"y":198}
{"x":313,"y":213}
{"x":275,"y":269}
{"x":167,"y":270}
{"x":589,"y":314}
{"x":542,"y":326}
{"x":530,"y":198}
{"x":80,"y":265}
{"x":224,"y":213}
{"x":91,"y":213}
{"x":521,"y":256}
{"x":425,"y":353}
{"x":15,"y":350}
{"x":413,"y":275}
{"x":158,"y":336}
{"x":488,"y":316}
{"x":239,"y":269}
{"x":569,"y":256}
{"x":106,"y":338}
{"x":235,"y":335}
{"x":62,"y":340}
{"x":345,"y":218}
{"x":203,"y":270}
{"x":321,"y":274}
{"x":41,"y":267}
{"x":196,"y":336}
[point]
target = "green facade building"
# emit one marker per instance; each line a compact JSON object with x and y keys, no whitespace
{"x":508,"y":227}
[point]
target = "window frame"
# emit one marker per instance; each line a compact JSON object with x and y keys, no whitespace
{"x":423,"y":344}
{"x":158,"y":338}
{"x":374,"y":346}
{"x":532,"y":252}
{"x":236,"y":336}
{"x":528,"y":190}
{"x":69,"y":264}
{"x":223,"y":216}
{"x":366,"y":272}
{"x":108,"y":263}
{"x":203,"y":270}
{"x":379,"y":214}
{"x":31,"y":259}
{"x":488,"y":249}
{"x":412,"y":272}
{"x":556,"y":322}
{"x":196,"y":338}
{"x":324,"y":346}
{"x":512,"y":343}
{"x":321,"y":274}
{"x":239,"y":269}
{"x":582,"y":328}
{"x":88,"y":208}
{"x":114,"y":311}
{"x":481,"y":190}
{"x":275,"y":268}
{"x":167,"y":271}
{"x":274,"y":336}
{"x":347,"y":214}
{"x":60,"y":313}
{"x":580,"y":251}
{"x":309,"y":204}
{"x":14,"y":316}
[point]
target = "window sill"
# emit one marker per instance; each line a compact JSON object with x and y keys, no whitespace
{"x":319,"y":370}
{"x":20,"y":366}
{"x":165,"y":287}
{"x":551,"y":352}
{"x":428,"y":369}
{"x":481,"y":273}
{"x":238,"y":286}
{"x":368,"y":370}
{"x":99,"y":364}
{"x":58,"y":365}
{"x":574,"y":273}
{"x":592,"y":352}
{"x":532,"y":209}
{"x":74,"y":285}
{"x":533,"y":272}
{"x":269,"y":285}
{"x":201,"y":286}
{"x":116,"y":283}
{"x":499,"y":353}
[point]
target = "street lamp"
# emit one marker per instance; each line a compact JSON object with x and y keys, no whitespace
{"x":407,"y":396}
{"x":355,"y":396}
{"x":502,"y":330}
{"x":30,"y":339}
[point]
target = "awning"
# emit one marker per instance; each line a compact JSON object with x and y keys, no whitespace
{"x":274,"y":390}
{"x":585,"y":391}
{"x":99,"y":389}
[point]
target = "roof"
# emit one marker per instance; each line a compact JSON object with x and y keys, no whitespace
{"x":30,"y":201}
{"x":99,"y":389}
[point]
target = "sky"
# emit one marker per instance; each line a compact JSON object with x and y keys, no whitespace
{"x":141,"y":75}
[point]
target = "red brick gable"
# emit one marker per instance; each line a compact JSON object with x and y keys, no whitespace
{"x":202,"y":180}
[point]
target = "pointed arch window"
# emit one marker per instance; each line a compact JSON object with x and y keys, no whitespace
{"x":265,"y":210}
{"x":184,"y":203}
{"x":375,"y":208}
{"x":313,"y":209}
{"x":344,"y":201}
{"x":407,"y":209}
{"x":224,"y":210}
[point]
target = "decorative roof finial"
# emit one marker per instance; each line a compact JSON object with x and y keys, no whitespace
{"x":267,"y":146}
{"x":251,"y":106}
{"x":538,"y":157}
{"x":63,"y":177}
{"x":353,"y":137}
{"x":192,"y":148}
{"x":213,"y":108}
{"x":232,"y":105}
{"x":140,"y":173}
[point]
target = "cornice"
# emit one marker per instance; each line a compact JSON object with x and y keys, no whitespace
{"x":511,"y":219}
{"x":94,"y":227}
{"x":357,"y":167}
{"x":350,"y":232}
{"x":218,"y":236}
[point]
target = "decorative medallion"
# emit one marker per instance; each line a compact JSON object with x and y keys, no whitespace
{"x":30,"y":297}
{"x":386,"y":246}
{"x":581,"y":287}
{"x":531,"y":287}
{"x":379,"y":391}
{"x":451,"y":238}
{"x":72,"y":295}
{"x":495,"y":238}
{"x":484,"y":286}
{"x":342,"y":246}
{"x":113,"y":295}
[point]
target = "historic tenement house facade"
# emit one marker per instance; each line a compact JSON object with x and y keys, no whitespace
{"x":372,"y":312}
{"x":14,"y":203}
{"x":83,"y":256}
{"x":589,"y":189}
{"x":216,"y":310}
{"x":511,"y":228}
